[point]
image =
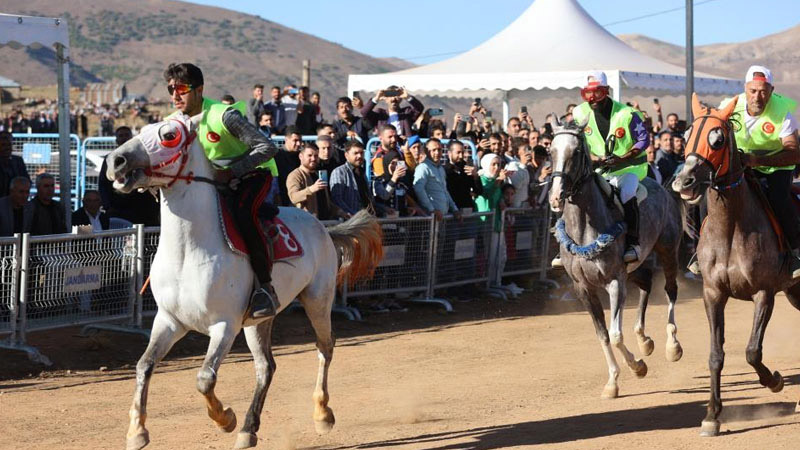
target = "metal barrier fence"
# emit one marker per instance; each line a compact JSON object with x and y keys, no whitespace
{"x":93,"y":152}
{"x":9,"y":280}
{"x":93,"y":279}
{"x":462,"y":250}
{"x":77,"y":279}
{"x":40,"y":153}
{"x":374,"y":143}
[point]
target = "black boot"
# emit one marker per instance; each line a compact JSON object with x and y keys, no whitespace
{"x":264,"y":302}
{"x":632,"y":249}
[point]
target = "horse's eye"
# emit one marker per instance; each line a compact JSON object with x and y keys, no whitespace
{"x":716,"y":138}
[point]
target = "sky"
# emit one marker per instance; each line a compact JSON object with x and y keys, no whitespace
{"x":427,"y":31}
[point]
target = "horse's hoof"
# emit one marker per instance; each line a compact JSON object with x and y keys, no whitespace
{"x":245,"y":440}
{"x":674,"y":353}
{"x":646,"y":346}
{"x":139,"y":441}
{"x":709,"y":428}
{"x":610,"y":392}
{"x":325,"y":424}
{"x":230,"y":421}
{"x":779,"y":385}
{"x":641,"y":369}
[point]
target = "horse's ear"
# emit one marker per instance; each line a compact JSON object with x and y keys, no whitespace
{"x":697,"y":108}
{"x":726,"y":112}
{"x":555,"y":122}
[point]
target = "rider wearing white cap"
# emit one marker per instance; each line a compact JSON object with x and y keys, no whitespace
{"x":768,"y":139}
{"x":617,"y":139}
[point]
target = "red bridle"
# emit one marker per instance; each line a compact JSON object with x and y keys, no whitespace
{"x":183,"y":155}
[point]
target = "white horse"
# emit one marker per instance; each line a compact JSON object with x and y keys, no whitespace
{"x":200,"y":284}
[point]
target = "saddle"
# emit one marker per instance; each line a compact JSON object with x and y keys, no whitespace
{"x":612,"y":193}
{"x":283,"y":241}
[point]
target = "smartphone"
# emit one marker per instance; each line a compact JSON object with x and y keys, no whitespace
{"x":488,"y":113}
{"x":401,"y":164}
{"x":356,"y":94}
{"x":391,"y":93}
{"x":548,"y":128}
{"x":655,"y":100}
{"x":436,"y":111}
{"x":523,"y":109}
{"x":466,"y":118}
{"x":682,"y":126}
{"x":294,"y":91}
{"x":477,"y":101}
{"x":323,"y":175}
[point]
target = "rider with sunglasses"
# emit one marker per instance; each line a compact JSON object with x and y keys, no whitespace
{"x":242,"y":157}
{"x":617,"y":139}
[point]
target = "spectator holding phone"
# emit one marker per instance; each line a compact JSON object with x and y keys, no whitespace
{"x":289,"y":99}
{"x":430,"y":182}
{"x":308,"y":187}
{"x":463,"y":181}
{"x":348,"y":126}
{"x":401,"y":118}
{"x":391,"y":190}
{"x":539,"y":187}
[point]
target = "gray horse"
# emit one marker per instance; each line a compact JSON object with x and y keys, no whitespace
{"x":592,"y":245}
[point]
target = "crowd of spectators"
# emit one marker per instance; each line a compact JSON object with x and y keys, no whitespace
{"x":422,"y":166}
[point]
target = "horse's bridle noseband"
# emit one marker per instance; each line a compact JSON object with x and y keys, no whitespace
{"x":585,"y":170}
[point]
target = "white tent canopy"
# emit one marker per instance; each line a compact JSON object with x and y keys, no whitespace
{"x":575,"y":43}
{"x":23,"y":31}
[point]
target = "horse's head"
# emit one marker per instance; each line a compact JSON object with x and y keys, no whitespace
{"x":155,"y":157}
{"x":571,"y":162}
{"x":710,"y":152}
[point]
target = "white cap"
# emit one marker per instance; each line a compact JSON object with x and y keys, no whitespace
{"x":755,"y":69}
{"x":595,"y":78}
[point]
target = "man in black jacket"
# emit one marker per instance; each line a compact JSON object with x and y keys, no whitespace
{"x":463,"y":181}
{"x":90,"y":213}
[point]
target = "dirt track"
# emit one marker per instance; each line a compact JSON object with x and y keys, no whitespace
{"x":489,"y":376}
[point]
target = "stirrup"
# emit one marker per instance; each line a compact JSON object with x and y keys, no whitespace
{"x":794,"y":265}
{"x":263,"y":303}
{"x":632,"y":253}
{"x":694,"y":265}
{"x":556,"y":262}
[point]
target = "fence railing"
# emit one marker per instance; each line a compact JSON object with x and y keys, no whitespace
{"x":96,"y":279}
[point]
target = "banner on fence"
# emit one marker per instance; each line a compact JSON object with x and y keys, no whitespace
{"x":80,"y":279}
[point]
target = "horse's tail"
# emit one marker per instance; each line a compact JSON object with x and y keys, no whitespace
{"x":359,"y":242}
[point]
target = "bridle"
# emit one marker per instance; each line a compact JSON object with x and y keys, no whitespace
{"x":717,"y":181}
{"x":584,"y":171}
{"x":183,"y":156}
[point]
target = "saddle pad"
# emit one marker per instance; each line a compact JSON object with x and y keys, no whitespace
{"x":284,"y":243}
{"x":606,"y":188}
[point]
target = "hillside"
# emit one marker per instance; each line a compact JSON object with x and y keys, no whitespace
{"x":133,"y":41}
{"x":777,"y":51}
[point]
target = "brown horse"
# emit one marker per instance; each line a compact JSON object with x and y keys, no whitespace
{"x":740,"y":254}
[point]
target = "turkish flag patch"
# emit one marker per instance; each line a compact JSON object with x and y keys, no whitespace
{"x":212,"y":137}
{"x":587,"y":131}
{"x":619,"y":133}
{"x":768,"y":127}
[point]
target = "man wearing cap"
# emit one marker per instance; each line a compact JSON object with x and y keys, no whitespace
{"x":617,"y":139}
{"x":768,"y":139}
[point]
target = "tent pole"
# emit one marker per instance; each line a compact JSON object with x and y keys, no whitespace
{"x":65,"y":175}
{"x":689,"y":58}
{"x":505,"y":110}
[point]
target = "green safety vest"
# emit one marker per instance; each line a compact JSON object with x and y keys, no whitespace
{"x":621,"y":116}
{"x":764,"y":134}
{"x":219,"y":145}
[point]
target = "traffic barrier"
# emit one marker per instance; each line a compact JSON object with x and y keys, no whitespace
{"x":96,"y":279}
{"x":93,"y":152}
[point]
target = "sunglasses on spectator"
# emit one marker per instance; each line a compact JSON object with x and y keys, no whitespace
{"x":182,"y":89}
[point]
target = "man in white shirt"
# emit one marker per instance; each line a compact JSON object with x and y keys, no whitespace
{"x":90,"y":213}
